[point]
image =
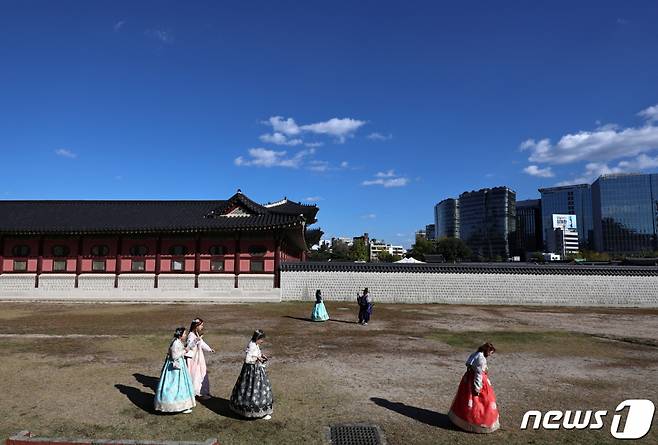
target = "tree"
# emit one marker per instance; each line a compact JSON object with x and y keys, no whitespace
{"x":359,"y":251}
{"x":385,"y":257}
{"x":340,"y":251}
{"x":421,"y":248}
{"x":453,"y":249}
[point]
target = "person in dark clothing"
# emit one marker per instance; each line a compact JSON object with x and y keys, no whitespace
{"x":365,"y":307}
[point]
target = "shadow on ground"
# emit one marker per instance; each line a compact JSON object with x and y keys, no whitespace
{"x":220,"y":406}
{"x":311,"y":321}
{"x":426,"y":416}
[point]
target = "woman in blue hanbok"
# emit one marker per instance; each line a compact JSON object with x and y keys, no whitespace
{"x":319,"y":311}
{"x":175,"y":392}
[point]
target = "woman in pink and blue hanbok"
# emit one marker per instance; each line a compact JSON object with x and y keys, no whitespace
{"x":175,"y":392}
{"x":196,"y":360}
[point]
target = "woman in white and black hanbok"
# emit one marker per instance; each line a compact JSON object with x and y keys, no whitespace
{"x":252,"y":394}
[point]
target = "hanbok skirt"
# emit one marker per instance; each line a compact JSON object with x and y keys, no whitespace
{"x":319,"y":312}
{"x":476,"y":414}
{"x":198,"y":372}
{"x":252,"y":393}
{"x":175,"y":392}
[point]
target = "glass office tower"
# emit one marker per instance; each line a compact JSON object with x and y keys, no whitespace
{"x":625,"y":208}
{"x":568,"y":200}
{"x":446,"y":219}
{"x":529,"y":234}
{"x":487,"y":221}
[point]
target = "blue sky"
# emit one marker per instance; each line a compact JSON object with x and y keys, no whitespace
{"x":374,"y":110}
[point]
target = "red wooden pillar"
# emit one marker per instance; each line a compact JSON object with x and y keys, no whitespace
{"x":236,"y":266}
{"x":117,"y":268}
{"x":197,"y":261}
{"x":2,"y":253}
{"x":78,"y":262}
{"x":277,"y":261}
{"x":39,"y":261}
{"x":158,"y":255}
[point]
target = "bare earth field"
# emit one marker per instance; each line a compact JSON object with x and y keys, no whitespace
{"x":88,"y":370}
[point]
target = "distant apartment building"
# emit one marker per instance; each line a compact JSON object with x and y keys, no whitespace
{"x":625,"y":212}
{"x":446,"y":219}
{"x":376,"y":247}
{"x":430,"y":232}
{"x":529,"y":233}
{"x":563,"y":235}
{"x":420,"y":234}
{"x":487,"y":221}
{"x":568,"y":200}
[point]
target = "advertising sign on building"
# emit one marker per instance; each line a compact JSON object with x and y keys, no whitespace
{"x":564,"y":222}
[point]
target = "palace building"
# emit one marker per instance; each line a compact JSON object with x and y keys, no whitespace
{"x":234,"y":243}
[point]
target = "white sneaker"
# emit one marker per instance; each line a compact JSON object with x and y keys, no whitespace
{"x":187,"y":411}
{"x":268,"y":417}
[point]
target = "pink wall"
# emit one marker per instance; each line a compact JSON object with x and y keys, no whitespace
{"x":151,"y":243}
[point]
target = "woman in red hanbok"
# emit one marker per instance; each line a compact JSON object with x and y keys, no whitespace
{"x":474,"y":408}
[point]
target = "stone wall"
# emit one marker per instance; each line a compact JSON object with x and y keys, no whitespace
{"x":498,"y":286}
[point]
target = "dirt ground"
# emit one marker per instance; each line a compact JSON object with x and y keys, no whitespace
{"x":88,"y":370}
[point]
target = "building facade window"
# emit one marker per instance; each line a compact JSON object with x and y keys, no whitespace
{"x":59,"y":266}
{"x":178,"y":265}
{"x":217,"y":250}
{"x":98,"y":266}
{"x":21,"y":250}
{"x":257,"y":250}
{"x":100,"y":250}
{"x":257,"y":266}
{"x":178,"y":250}
{"x":138,"y":266}
{"x":217,"y":265}
{"x":59,"y":251}
{"x":139,"y":250}
{"x":20,"y":266}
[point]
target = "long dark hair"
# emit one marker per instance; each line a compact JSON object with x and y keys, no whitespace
{"x":318,"y":296}
{"x":195,"y":324}
{"x":178,"y":333}
{"x":258,"y":334}
{"x":487,"y":349}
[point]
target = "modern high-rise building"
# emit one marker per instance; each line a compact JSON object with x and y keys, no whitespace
{"x":446,"y":219}
{"x":625,"y":210}
{"x":563,"y":235}
{"x":568,"y":200}
{"x":529,"y":234}
{"x":487,"y":221}
{"x":430,"y":232}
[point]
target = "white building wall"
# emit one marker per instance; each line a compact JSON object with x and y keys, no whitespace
{"x":475,"y":288}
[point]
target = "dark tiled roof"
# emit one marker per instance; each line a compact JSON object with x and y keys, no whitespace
{"x":65,"y":217}
{"x":295,"y":208}
{"x":479,"y":268}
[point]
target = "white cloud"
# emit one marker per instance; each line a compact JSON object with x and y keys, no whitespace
{"x":386,"y":174}
{"x":369,"y":216}
{"x":313,"y":199}
{"x":314,"y":144}
{"x":595,"y":169}
{"x":387,"y":179}
{"x":318,"y":166}
{"x":650,"y":114}
{"x":379,"y":137}
{"x":533,"y":170}
{"x":344,"y":164}
{"x":263,"y":157}
{"x":165,"y":37}
{"x":285,"y":126}
{"x":118,"y":25}
{"x":335,"y":127}
{"x":279,"y":139}
{"x":604,"y":144}
{"x":339,"y":128}
{"x":65,"y":153}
